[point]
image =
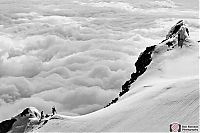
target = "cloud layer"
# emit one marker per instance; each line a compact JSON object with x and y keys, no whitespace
{"x":76,"y":54}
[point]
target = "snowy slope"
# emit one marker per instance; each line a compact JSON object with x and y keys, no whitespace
{"x":164,"y":89}
{"x":167,"y":92}
{"x":22,"y":122}
{"x":171,"y":64}
{"x":149,"y":110}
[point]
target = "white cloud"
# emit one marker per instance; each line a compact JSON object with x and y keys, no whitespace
{"x":163,"y":4}
{"x":76,"y":57}
{"x":117,"y":5}
{"x":11,"y":109}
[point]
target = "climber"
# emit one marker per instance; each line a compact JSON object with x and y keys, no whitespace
{"x":54,"y":110}
{"x":42,"y":116}
{"x":183,"y":34}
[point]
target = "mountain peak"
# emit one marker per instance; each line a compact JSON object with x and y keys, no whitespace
{"x":21,"y":122}
{"x":166,"y":60}
{"x":177,"y":37}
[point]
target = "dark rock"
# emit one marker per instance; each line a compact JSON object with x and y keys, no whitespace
{"x":141,"y":65}
{"x":6,"y":125}
{"x":25,"y":112}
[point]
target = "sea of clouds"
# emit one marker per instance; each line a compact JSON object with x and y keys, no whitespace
{"x":77,"y":54}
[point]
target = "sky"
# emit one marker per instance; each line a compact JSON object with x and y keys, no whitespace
{"x":76,"y":54}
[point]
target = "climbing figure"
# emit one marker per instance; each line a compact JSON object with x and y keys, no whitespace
{"x":42,"y":116}
{"x":183,"y":34}
{"x":47,"y":115}
{"x":54,"y":110}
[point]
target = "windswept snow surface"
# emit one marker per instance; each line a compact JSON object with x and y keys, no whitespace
{"x":167,"y":92}
{"x":76,"y":54}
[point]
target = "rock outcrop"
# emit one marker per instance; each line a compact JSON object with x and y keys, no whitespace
{"x":20,"y":122}
{"x":145,"y":58}
{"x":6,"y":125}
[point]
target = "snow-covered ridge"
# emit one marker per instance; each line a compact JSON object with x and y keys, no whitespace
{"x":145,"y":57}
{"x":20,"y":122}
{"x":166,"y":92}
{"x":164,"y":89}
